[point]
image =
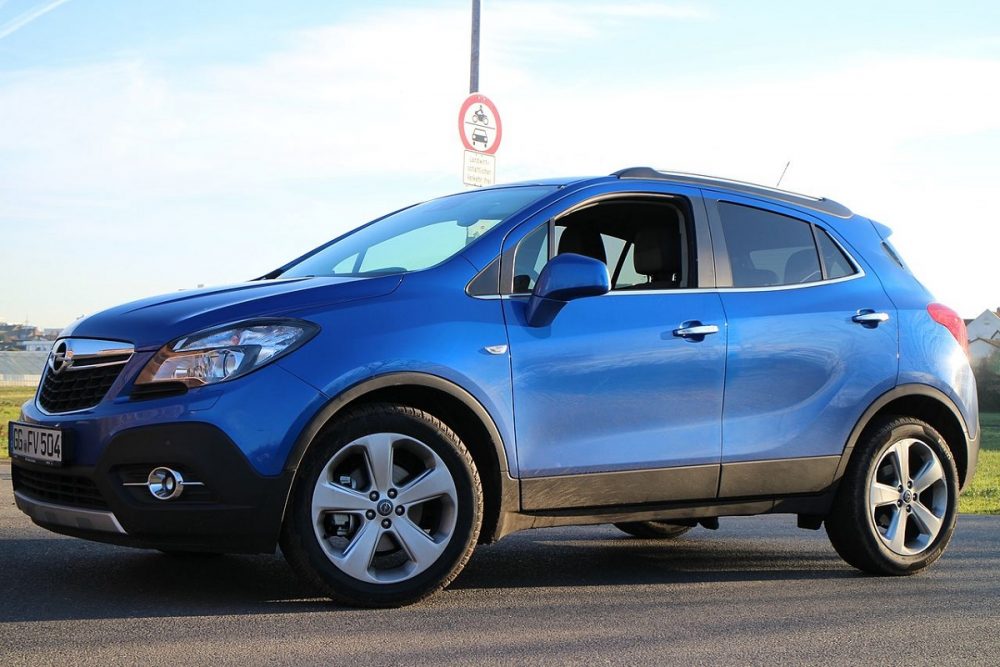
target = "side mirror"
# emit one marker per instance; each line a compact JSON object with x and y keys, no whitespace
{"x":564,"y":278}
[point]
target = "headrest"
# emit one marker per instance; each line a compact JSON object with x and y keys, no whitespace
{"x":744,"y":275}
{"x":582,"y":240}
{"x":657,"y":251}
{"x":802,"y":265}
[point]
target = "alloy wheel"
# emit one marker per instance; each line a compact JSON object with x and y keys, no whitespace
{"x":384,"y":508}
{"x":908,"y":497}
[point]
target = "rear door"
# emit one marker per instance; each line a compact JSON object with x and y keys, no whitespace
{"x":812,"y":342}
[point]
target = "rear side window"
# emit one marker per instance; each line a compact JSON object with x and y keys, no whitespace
{"x":834,"y":260}
{"x":767,"y":249}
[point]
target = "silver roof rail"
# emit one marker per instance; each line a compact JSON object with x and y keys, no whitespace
{"x":821,"y":204}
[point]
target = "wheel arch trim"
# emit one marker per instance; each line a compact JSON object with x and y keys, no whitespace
{"x":388,"y":380}
{"x":907,"y":391}
{"x":509,"y":491}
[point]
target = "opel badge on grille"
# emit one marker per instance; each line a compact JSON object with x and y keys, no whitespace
{"x":61,"y":358}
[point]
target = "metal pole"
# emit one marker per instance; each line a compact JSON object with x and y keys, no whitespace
{"x":474,"y":58}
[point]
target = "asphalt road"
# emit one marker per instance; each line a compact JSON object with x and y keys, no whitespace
{"x":758,"y":590}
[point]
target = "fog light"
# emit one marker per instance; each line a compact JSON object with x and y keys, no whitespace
{"x":165,"y":484}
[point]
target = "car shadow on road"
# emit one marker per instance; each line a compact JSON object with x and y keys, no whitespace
{"x":63,"y":579}
{"x":550,"y":561}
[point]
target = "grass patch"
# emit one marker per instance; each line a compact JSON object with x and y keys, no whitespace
{"x":983,"y":495}
{"x":11,"y":399}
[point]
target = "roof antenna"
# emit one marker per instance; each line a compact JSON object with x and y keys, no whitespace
{"x":783,"y":172}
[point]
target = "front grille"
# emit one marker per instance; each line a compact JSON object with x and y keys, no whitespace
{"x":51,"y":487}
{"x":76,"y":388}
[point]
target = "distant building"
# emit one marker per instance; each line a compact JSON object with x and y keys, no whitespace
{"x":15,"y":336}
{"x":984,"y":339}
{"x":35,"y":345}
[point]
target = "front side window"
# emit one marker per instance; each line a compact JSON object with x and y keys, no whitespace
{"x":645,"y":243}
{"x":767,"y":249}
{"x":418,"y":237}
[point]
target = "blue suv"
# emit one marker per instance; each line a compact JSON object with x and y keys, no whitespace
{"x":649,"y":349}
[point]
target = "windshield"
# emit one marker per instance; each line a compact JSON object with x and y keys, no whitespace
{"x":418,"y":237}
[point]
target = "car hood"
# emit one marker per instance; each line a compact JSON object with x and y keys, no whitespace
{"x":153,"y":321}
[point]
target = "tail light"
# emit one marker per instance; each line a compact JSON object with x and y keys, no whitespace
{"x":951,"y":321}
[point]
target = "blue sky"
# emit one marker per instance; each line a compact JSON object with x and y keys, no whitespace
{"x":152,"y":146}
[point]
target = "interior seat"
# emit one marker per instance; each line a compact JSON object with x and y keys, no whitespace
{"x":582,"y":240}
{"x":746,"y":274}
{"x":802,"y":267}
{"x":657,"y":255}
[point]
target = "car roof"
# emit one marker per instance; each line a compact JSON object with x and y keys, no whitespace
{"x":821,"y":204}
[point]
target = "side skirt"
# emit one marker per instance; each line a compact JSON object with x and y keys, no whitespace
{"x":630,"y":487}
{"x":803,"y":486}
{"x":812,"y":505}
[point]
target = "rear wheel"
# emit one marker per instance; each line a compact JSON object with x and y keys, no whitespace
{"x":653,"y":530}
{"x":386,"y":508}
{"x":895,"y":511}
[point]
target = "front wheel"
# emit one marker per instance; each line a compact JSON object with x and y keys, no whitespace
{"x":386,"y":508}
{"x":895,"y":511}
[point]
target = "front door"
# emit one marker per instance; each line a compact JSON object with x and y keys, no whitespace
{"x":614,"y":402}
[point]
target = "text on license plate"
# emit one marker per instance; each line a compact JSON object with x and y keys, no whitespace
{"x":35,"y":443}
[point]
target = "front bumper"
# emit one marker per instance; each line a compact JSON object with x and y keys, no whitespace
{"x":236,"y":510}
{"x":64,"y":516}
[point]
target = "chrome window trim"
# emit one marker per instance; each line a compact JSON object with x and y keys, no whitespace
{"x":859,"y":272}
{"x":776,"y":288}
{"x":702,"y":290}
{"x":698,"y":290}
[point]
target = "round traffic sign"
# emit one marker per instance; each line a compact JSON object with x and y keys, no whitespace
{"x":479,"y":124}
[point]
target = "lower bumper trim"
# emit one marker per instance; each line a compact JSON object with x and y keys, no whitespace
{"x":70,"y":517}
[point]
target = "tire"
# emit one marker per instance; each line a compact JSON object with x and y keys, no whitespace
{"x":653,"y":530}
{"x":881,"y":524}
{"x":416,"y":535}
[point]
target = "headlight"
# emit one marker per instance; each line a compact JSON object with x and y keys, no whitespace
{"x":225,"y":353}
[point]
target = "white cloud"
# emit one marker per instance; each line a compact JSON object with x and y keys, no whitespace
{"x":224,"y":171}
{"x":21,"y":20}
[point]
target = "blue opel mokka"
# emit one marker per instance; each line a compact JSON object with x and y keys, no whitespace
{"x":649,"y":349}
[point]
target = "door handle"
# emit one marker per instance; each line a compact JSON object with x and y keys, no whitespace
{"x":696,"y":330}
{"x":870,"y":318}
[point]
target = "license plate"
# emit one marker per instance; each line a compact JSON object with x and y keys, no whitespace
{"x":35,"y":443}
